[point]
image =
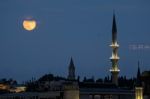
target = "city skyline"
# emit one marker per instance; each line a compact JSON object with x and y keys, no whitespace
{"x":78,"y":29}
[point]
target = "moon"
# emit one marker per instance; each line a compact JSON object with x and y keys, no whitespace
{"x":29,"y":25}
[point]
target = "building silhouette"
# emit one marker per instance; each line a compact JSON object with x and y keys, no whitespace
{"x":51,"y":87}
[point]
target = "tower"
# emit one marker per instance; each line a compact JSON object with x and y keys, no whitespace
{"x":114,"y":58}
{"x":71,"y":70}
{"x":138,"y":87}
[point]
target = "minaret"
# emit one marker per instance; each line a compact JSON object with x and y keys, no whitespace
{"x":114,"y":58}
{"x":138,"y":81}
{"x":138,"y":87}
{"x":71,"y":70}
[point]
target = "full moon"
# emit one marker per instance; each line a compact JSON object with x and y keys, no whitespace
{"x":29,"y":25}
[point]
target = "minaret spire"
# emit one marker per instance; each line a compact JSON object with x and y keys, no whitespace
{"x":114,"y":58}
{"x":71,"y":70}
{"x":114,"y":29}
{"x":138,"y":79}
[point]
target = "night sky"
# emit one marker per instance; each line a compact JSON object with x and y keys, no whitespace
{"x":77,"y":28}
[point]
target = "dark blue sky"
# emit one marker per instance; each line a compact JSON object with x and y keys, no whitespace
{"x":77,"y":28}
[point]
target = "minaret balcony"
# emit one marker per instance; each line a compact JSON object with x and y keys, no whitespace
{"x":114,"y":70}
{"x":114,"y":45}
{"x":114,"y":58}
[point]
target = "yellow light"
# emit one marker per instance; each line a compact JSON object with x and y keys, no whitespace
{"x":139,"y":92}
{"x":29,"y":25}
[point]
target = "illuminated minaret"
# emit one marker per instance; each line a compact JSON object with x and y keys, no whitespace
{"x":138,"y":87}
{"x":114,"y":58}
